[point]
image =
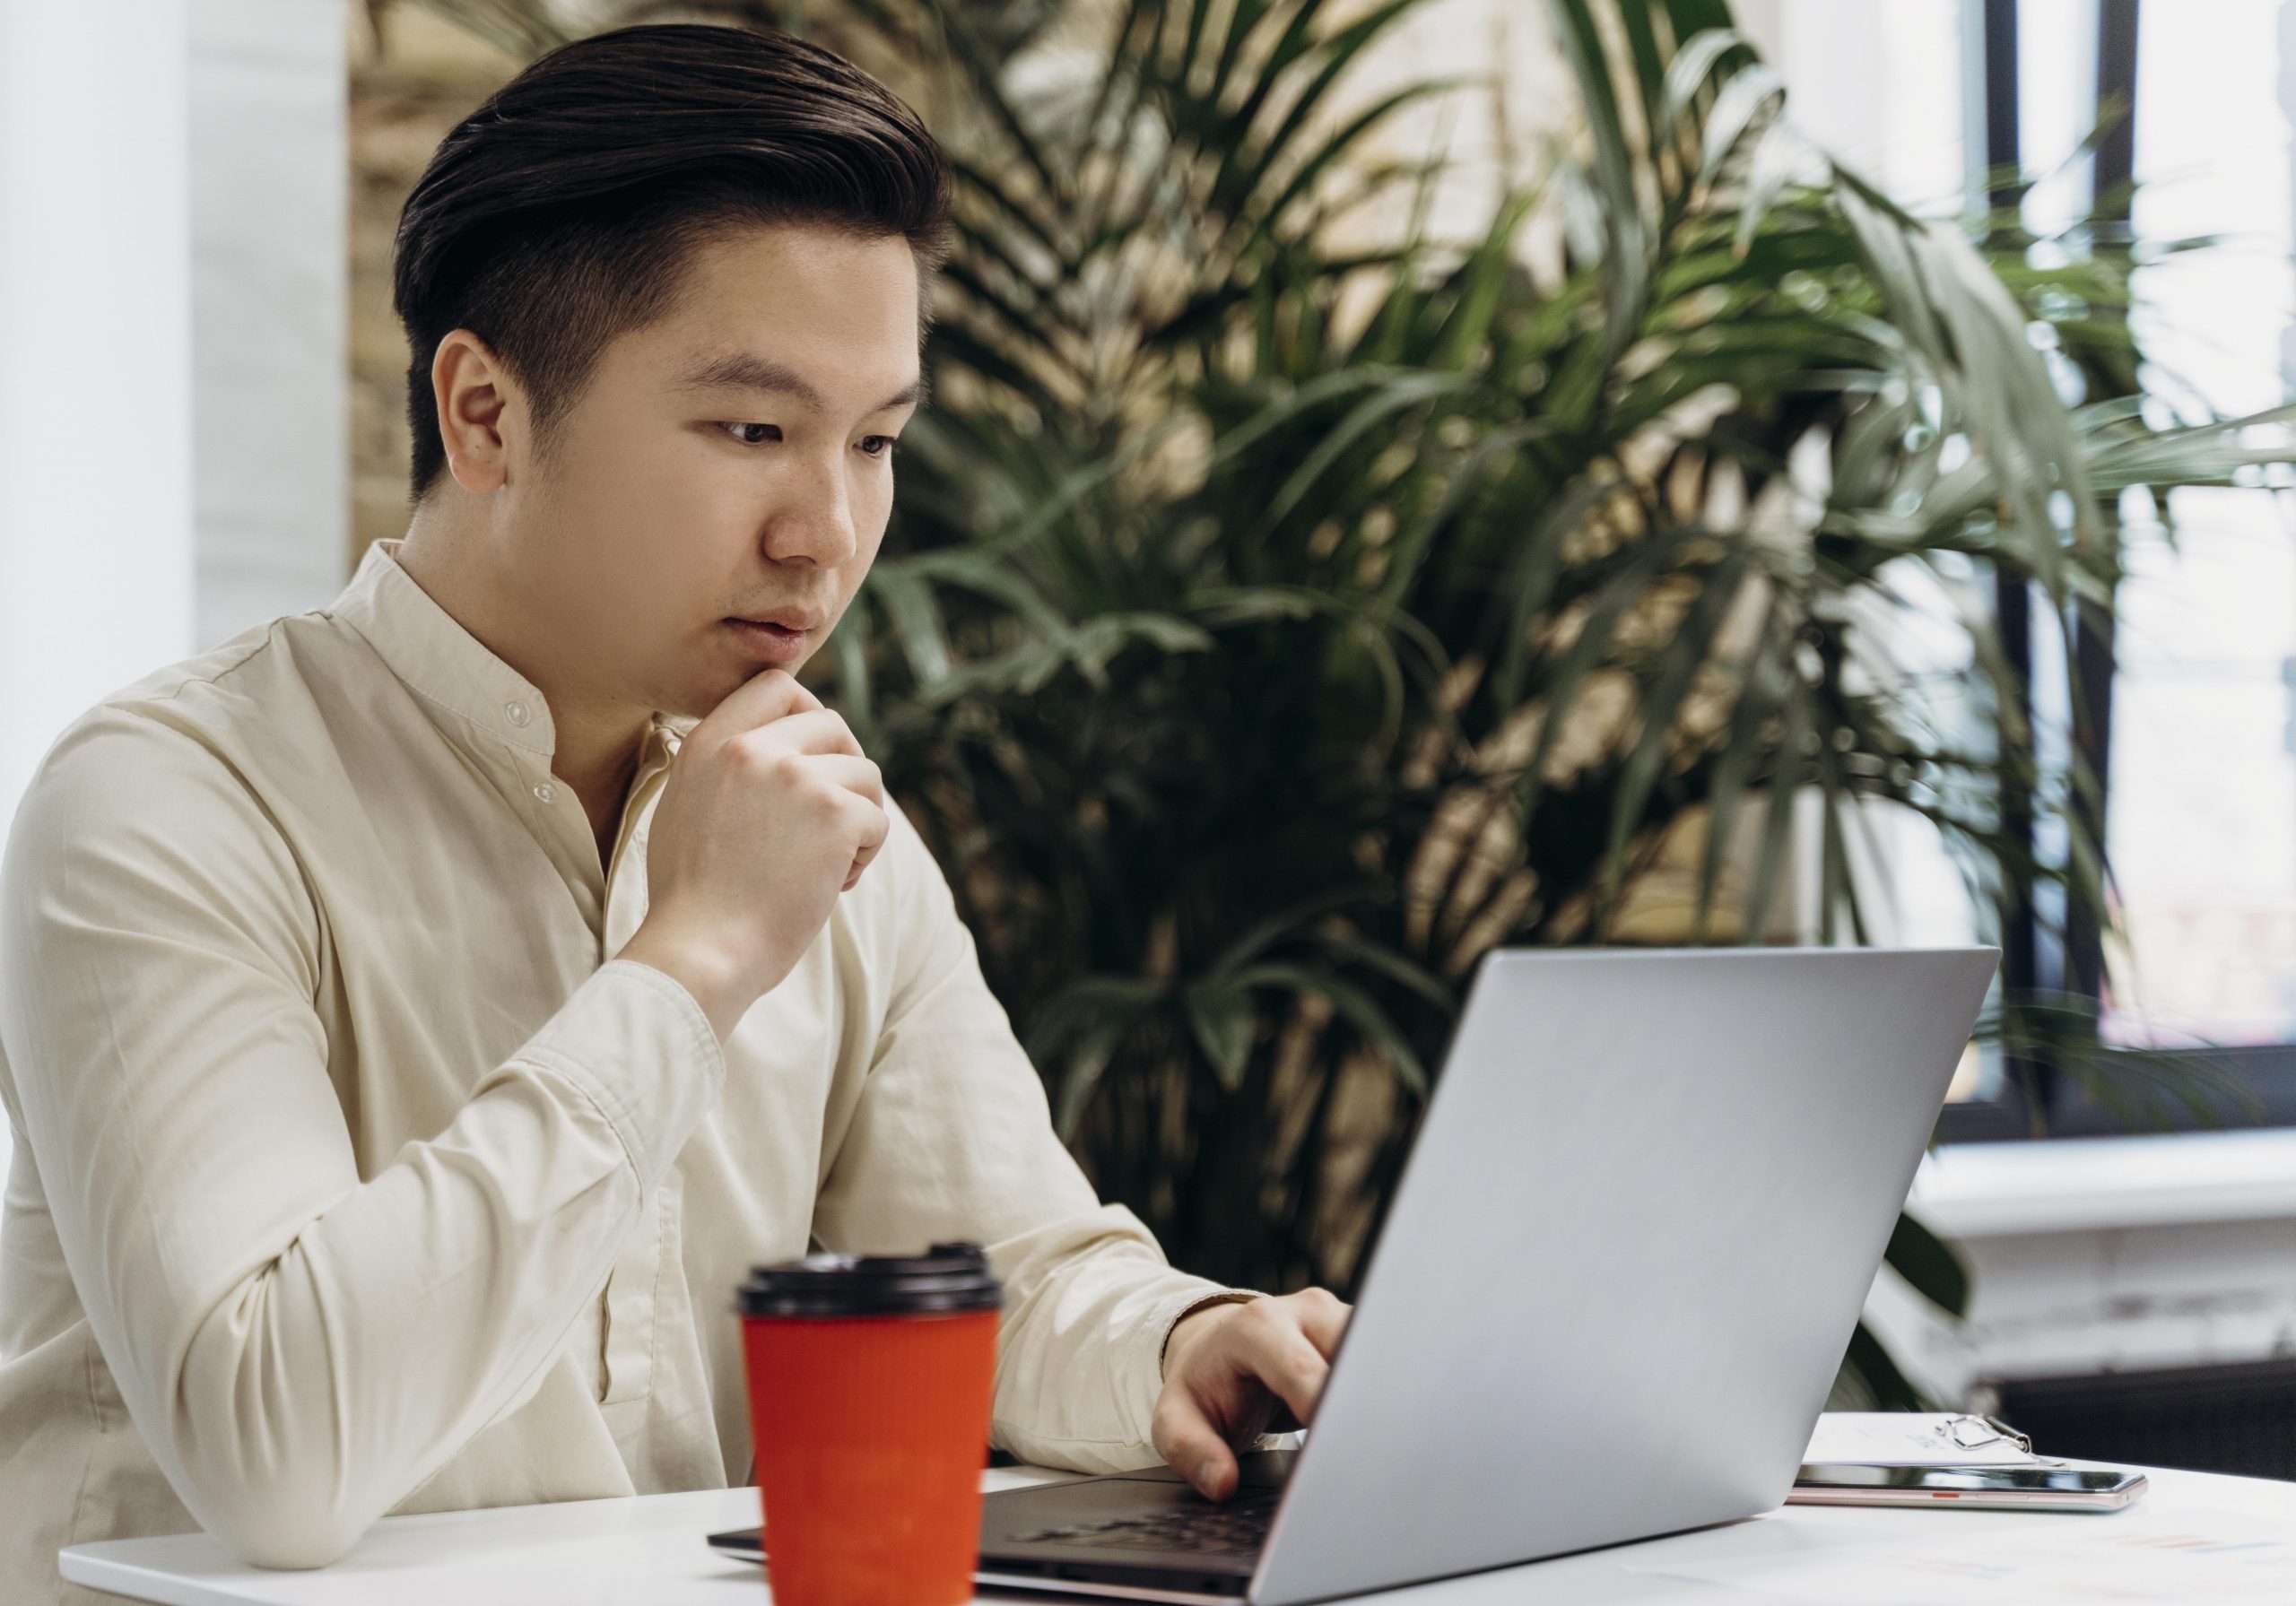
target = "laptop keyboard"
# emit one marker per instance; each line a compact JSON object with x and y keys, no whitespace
{"x":1236,"y":1528}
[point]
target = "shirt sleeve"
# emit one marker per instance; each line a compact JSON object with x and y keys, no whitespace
{"x":299,"y":1346}
{"x":952,"y":1139}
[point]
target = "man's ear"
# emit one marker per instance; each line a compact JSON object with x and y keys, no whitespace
{"x":481,"y":412}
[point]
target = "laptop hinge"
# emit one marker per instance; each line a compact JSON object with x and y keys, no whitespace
{"x":1106,"y":1592}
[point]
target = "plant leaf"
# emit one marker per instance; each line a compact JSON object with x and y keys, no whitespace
{"x":1224,"y":1021}
{"x":1930,"y":1266}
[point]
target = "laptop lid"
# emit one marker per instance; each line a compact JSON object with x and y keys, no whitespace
{"x":1627,"y":1253}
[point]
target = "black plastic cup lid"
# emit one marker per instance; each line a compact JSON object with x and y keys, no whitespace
{"x":947,"y":1277}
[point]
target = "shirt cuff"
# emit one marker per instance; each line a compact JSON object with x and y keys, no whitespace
{"x":1222,"y":1297}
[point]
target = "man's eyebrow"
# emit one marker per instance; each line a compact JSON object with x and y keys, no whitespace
{"x":746,"y":370}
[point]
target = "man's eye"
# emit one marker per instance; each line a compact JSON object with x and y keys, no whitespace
{"x":753,"y":434}
{"x":877,"y":446}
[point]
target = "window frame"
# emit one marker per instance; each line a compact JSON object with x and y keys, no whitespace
{"x":2255,"y":1086}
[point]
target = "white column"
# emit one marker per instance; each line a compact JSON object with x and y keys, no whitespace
{"x":270,"y":269}
{"x":2286,"y":78}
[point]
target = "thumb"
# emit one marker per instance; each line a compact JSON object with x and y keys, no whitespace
{"x":1189,"y":1444}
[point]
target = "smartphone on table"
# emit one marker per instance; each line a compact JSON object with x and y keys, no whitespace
{"x":1983,"y":1489}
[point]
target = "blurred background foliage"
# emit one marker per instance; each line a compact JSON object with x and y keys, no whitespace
{"x":1274,"y":622}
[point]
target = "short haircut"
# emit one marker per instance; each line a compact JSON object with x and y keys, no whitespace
{"x":563,"y":212}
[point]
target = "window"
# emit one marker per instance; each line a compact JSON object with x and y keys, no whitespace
{"x":2184,"y":703}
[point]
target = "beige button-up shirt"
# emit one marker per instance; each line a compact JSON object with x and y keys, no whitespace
{"x":354,"y":1174}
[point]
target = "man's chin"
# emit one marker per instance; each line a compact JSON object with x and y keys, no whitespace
{"x":696,"y":702}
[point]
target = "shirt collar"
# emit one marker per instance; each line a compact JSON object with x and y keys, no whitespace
{"x":447,"y":666}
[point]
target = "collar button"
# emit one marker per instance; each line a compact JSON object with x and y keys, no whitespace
{"x":516,"y":712}
{"x":546,"y":793}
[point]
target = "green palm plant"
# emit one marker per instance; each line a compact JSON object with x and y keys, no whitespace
{"x":1270,"y":628}
{"x":1275,"y":629}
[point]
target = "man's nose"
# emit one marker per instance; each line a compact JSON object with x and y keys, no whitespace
{"x":814,"y":524}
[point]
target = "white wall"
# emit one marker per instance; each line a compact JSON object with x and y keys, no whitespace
{"x":1879,"y":86}
{"x":95,"y":363}
{"x":270,"y":166}
{"x":173,"y":452}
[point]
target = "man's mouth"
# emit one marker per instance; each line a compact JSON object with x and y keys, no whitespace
{"x":796,"y":621}
{"x":777,"y":636}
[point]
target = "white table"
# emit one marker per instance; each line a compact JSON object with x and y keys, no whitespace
{"x":2196,"y":1536}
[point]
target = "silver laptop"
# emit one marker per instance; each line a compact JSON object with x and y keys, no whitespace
{"x":1633,"y":1237}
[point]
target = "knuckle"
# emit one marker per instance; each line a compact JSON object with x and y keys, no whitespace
{"x":791,"y":771}
{"x":748,"y":753}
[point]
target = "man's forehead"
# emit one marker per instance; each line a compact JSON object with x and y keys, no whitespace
{"x":743,"y":369}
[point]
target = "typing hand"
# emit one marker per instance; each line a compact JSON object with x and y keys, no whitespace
{"x":1233,"y":1372}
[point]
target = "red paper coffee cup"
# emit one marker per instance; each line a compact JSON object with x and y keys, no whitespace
{"x":869,"y":1381}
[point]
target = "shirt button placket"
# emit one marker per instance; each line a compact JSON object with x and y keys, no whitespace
{"x":518,"y":713}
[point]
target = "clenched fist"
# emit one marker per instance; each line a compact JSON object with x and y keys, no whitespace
{"x":771,"y":811}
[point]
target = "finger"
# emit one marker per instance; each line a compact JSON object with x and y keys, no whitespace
{"x":857,"y":775}
{"x":1323,"y":1317}
{"x":874,"y":827}
{"x":1274,"y":1351}
{"x":758,"y":700}
{"x":1191,"y":1447}
{"x":813,"y":730}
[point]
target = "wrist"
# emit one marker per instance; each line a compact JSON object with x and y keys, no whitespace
{"x":1199,"y":1318}
{"x":715,"y":982}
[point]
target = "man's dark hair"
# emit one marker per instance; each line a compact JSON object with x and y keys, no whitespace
{"x":563,"y":212}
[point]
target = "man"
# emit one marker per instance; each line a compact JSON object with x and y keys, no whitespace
{"x":417,"y":1014}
